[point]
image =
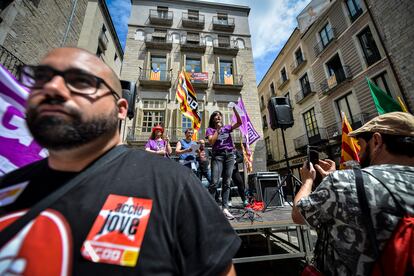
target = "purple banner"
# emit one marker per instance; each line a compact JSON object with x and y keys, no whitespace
{"x":246,"y":128}
{"x":17,"y":146}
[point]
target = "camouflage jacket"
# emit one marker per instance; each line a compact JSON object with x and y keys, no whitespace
{"x":333,"y":210}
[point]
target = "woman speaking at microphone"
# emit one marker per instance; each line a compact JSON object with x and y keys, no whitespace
{"x":222,"y":160}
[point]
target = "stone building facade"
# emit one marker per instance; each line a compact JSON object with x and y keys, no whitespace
{"x":212,"y":41}
{"x":30,"y":29}
{"x":342,"y":50}
{"x":394,"y":23}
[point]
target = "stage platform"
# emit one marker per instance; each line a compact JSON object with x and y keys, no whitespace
{"x":271,"y":235}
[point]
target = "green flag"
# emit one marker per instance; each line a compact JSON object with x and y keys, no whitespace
{"x":383,"y":102}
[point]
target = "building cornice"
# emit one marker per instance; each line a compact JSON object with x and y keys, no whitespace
{"x":206,"y":4}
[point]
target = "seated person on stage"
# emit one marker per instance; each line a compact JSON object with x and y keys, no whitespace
{"x":157,"y":143}
{"x":203,"y":161}
{"x":184,"y":150}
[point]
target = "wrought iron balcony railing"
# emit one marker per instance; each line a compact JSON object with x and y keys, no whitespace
{"x":297,"y":65}
{"x":322,"y":45}
{"x":193,"y":20}
{"x":303,"y":93}
{"x":318,"y":136}
{"x":223,"y":24}
{"x":10,"y":61}
{"x":155,"y":75}
{"x":161,"y":17}
{"x":335,"y":130}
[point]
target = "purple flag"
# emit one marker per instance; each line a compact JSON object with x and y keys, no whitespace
{"x":246,"y":128}
{"x":17,"y":146}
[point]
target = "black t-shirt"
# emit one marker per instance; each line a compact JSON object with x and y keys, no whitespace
{"x":186,"y":232}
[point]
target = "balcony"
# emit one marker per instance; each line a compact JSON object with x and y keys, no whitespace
{"x":158,"y":41}
{"x":195,"y":21}
{"x":194,"y":45}
{"x":297,"y":65}
{"x":231,"y":82}
{"x":340,"y":76}
{"x":160,"y":78}
{"x":140,"y":135}
{"x":103,"y":41}
{"x":305,"y":92}
{"x":223,"y":24}
{"x":302,"y":141}
{"x":335,"y":130}
{"x":225,"y":47}
{"x":282,"y":83}
{"x":199,"y":80}
{"x":161,"y":17}
{"x":321,"y":46}
{"x":10,"y":61}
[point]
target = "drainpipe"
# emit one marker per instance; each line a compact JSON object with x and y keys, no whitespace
{"x":65,"y":36}
{"x":388,"y":56}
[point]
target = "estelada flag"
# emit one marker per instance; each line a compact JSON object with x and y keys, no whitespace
{"x":350,"y":147}
{"x":186,"y":96}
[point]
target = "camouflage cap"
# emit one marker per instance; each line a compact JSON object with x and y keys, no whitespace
{"x":393,"y":123}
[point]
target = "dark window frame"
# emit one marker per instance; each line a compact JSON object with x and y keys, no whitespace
{"x":311,"y":125}
{"x":357,"y":10}
{"x":369,"y":44}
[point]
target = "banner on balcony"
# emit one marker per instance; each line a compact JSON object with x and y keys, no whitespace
{"x":155,"y":74}
{"x":197,"y":76}
{"x":17,"y":146}
{"x":228,"y":78}
{"x":187,"y":98}
{"x":350,"y":147}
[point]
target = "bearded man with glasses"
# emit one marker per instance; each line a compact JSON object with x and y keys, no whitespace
{"x":94,"y":207}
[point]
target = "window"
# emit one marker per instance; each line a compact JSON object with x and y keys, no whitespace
{"x":268,"y":148}
{"x":381,"y":81}
{"x":283,"y":75}
{"x":226,"y":72}
{"x":354,"y":9}
{"x":222,"y":18}
{"x":159,"y":65}
{"x":193,"y":65}
{"x":193,"y":15}
{"x":335,"y":71}
{"x":369,"y":47}
{"x":299,"y":56}
{"x":226,"y":111}
{"x":326,"y":35}
{"x":185,"y":122}
{"x":348,"y":104}
{"x":305,"y":85}
{"x":153,"y":114}
{"x":310,"y":123}
{"x":272,"y":89}
{"x":264,"y":121}
{"x":162,"y":12}
{"x":262,"y":102}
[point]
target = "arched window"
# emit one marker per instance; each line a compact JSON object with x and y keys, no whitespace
{"x":209,"y":40}
{"x":175,"y":37}
{"x":139,"y":35}
{"x":240,"y":43}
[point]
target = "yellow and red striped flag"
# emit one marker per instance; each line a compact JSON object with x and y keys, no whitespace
{"x":350,"y":146}
{"x":186,"y":96}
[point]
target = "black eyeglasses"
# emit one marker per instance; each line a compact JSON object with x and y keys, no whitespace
{"x":76,"y":80}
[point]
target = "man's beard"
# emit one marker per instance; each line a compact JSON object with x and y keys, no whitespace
{"x":366,"y":160}
{"x":57,"y":133}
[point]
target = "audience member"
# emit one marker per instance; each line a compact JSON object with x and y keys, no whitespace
{"x":387,"y":159}
{"x":157,"y":143}
{"x":102,"y":208}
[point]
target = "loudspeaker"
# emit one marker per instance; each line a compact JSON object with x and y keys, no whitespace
{"x":129,"y":93}
{"x":280,"y":113}
{"x":267,"y":188}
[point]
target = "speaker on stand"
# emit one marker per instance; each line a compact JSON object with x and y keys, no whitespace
{"x":280,"y":116}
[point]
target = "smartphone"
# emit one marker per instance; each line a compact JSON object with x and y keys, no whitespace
{"x":313,"y":156}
